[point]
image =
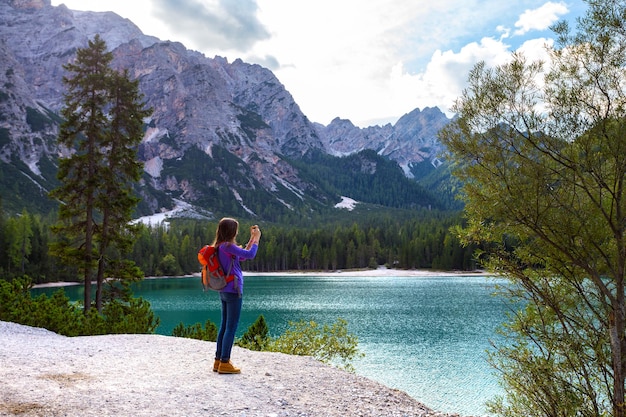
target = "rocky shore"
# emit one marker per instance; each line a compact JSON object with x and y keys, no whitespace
{"x":45,"y":374}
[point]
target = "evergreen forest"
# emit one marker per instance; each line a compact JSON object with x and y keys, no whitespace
{"x":397,"y":239}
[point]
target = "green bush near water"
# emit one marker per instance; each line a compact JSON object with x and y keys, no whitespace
{"x":58,"y":314}
{"x":331,"y":344}
{"x":196,"y":331}
{"x":257,"y":337}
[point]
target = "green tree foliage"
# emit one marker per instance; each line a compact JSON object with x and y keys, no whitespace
{"x":24,"y":249}
{"x":4,"y":239}
{"x":541,"y":151}
{"x":116,"y":200}
{"x":257,"y":337}
{"x":327,"y":343}
{"x":83,"y":132}
{"x":103,"y":124}
{"x":353,"y":175}
{"x":20,"y":247}
{"x":56,"y":313}
{"x":169,"y":266}
{"x":421,"y":240}
{"x":196,"y":331}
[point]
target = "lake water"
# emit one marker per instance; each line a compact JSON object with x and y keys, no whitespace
{"x":427,"y":336}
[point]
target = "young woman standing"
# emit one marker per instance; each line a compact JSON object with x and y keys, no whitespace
{"x":231,"y":295}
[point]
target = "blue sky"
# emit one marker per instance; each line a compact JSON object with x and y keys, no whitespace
{"x":370,"y":61}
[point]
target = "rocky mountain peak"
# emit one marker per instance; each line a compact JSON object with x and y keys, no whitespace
{"x":217,"y":128}
{"x":412,"y":140}
{"x":29,"y":4}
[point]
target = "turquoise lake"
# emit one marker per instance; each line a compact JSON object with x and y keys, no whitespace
{"x":427,"y":336}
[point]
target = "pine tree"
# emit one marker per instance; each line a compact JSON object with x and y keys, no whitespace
{"x":20,"y":246}
{"x":122,"y":169}
{"x":257,"y":337}
{"x":103,"y":124}
{"x":82,"y":135}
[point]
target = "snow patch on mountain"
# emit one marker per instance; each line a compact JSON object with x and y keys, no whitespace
{"x":240,"y":201}
{"x":181,"y":210}
{"x":298,"y":192}
{"x":346,"y":203}
{"x":32,"y":165}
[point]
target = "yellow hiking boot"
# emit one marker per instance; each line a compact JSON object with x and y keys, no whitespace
{"x":227,"y":368}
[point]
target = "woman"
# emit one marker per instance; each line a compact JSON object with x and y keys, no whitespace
{"x":231,"y":295}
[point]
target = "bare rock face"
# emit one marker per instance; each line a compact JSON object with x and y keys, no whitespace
{"x":198,"y":102}
{"x":412,"y":140}
{"x":217,"y":128}
{"x":29,"y":4}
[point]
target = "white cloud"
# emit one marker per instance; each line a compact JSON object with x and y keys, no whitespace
{"x":541,"y":18}
{"x":219,"y":24}
{"x":505,"y":32}
{"x":447,"y":71}
{"x":536,"y":49}
{"x":366,"y":60}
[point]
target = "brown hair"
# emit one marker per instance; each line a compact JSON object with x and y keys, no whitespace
{"x":226,"y":231}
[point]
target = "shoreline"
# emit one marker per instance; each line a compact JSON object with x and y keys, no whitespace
{"x":43,"y":373}
{"x":415,"y":276}
{"x":381,"y":271}
{"x":373,"y":273}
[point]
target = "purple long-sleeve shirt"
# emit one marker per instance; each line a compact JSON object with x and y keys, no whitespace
{"x":229,"y":252}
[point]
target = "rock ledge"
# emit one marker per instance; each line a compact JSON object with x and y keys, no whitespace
{"x":45,"y":374}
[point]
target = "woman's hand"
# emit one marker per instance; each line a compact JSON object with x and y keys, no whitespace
{"x":255,"y":233}
{"x":255,"y":236}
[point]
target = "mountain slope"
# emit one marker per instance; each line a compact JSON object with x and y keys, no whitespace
{"x":223,"y":137}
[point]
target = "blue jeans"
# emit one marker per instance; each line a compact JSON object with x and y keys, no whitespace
{"x":231,"y":310}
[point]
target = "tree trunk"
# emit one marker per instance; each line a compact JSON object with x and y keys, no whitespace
{"x":618,"y":347}
{"x":89,"y":227}
{"x":87,"y":266}
{"x":87,"y":292}
{"x":99,"y":282}
{"x":101,"y":265}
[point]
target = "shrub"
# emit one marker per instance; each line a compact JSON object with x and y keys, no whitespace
{"x":195,"y":331}
{"x":56,"y":313}
{"x":257,"y":336}
{"x":134,"y":317}
{"x":328,"y":344}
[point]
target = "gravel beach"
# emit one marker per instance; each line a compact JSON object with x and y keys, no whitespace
{"x":45,"y":374}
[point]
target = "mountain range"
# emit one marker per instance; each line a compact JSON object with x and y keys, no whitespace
{"x":224,"y":137}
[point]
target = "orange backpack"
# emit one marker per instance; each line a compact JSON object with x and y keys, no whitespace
{"x":213,"y":276}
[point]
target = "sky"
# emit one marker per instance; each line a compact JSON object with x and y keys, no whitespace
{"x":369,"y":61}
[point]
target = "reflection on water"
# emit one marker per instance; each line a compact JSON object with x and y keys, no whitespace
{"x":427,"y":336}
